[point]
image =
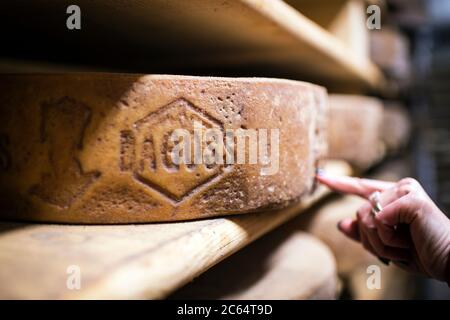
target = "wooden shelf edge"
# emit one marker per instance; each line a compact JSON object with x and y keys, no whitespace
{"x":310,"y":32}
{"x":128,"y":261}
{"x":257,"y":37}
{"x":201,"y":249}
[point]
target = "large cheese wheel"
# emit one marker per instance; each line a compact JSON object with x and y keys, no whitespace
{"x":355,"y":129}
{"x":286,"y":264}
{"x":390,"y":50}
{"x":96,"y":148}
{"x":396,"y":127}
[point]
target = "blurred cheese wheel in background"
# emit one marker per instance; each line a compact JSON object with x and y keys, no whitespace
{"x":355,"y":130}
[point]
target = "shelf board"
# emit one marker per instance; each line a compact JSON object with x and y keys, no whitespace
{"x":128,"y":261}
{"x":233,"y":37}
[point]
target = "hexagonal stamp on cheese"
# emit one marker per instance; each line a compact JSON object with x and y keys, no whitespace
{"x":146,"y":150}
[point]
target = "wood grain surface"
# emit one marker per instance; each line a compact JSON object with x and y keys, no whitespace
{"x":236,"y":37}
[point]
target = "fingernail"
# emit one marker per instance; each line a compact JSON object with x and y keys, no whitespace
{"x":384,"y":260}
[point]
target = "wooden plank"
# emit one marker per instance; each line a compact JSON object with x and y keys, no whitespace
{"x":345,"y":19}
{"x":127,"y":261}
{"x":252,"y":37}
{"x":291,"y":265}
{"x":8,"y":66}
{"x":290,"y":253}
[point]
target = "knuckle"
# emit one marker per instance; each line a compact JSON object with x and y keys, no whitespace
{"x":421,"y":203}
{"x":416,"y":200}
{"x":361,"y":214}
{"x":368,"y":223}
{"x":404,"y":189}
{"x":410,"y":186}
{"x":409,"y":181}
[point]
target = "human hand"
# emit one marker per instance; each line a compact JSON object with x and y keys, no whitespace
{"x":410,"y":230}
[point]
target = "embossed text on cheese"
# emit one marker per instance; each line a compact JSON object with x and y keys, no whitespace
{"x":229,"y":148}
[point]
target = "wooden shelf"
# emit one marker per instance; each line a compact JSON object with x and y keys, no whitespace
{"x":128,"y":261}
{"x":344,"y":19}
{"x":214,"y":37}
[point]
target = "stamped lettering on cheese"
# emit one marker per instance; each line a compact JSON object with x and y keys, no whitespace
{"x":147,"y":150}
{"x":63,"y":125}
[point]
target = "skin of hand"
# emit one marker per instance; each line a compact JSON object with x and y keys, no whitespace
{"x":410,"y":230}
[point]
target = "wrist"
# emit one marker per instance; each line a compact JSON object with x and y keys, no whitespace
{"x":447,"y":272}
{"x":447,"y":263}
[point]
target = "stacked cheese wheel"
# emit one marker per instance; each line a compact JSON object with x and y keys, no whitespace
{"x":96,"y":148}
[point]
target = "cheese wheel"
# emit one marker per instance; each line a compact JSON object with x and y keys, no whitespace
{"x":355,"y":130}
{"x":99,"y":148}
{"x":396,"y":127}
{"x":390,"y":50}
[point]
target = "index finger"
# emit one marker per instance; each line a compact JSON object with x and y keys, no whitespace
{"x":357,"y":186}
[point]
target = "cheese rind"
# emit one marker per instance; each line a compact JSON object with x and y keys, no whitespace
{"x":396,"y":127}
{"x":355,"y":130}
{"x":94,"y":148}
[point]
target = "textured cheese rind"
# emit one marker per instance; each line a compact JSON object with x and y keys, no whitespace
{"x":355,"y":130}
{"x":76,"y":148}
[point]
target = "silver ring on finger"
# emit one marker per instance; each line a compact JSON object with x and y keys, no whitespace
{"x":374,"y":199}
